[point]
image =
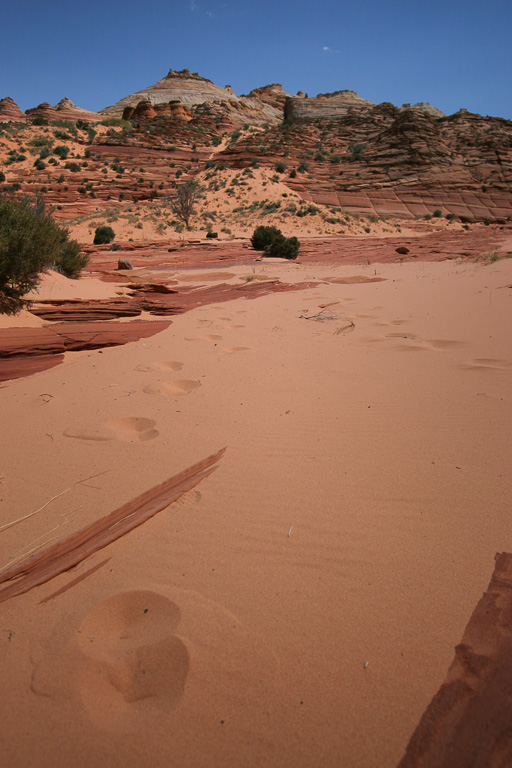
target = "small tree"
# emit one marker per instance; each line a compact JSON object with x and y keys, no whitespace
{"x":103,"y":235}
{"x":30,"y":242}
{"x":183,"y":202}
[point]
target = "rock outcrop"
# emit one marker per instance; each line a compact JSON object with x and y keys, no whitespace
{"x":189,"y":89}
{"x":69,"y":111}
{"x":325,"y":106}
{"x":335,"y":149}
{"x":9,"y":110}
{"x":468,"y":721}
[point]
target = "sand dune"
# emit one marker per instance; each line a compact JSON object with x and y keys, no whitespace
{"x":301,"y":606}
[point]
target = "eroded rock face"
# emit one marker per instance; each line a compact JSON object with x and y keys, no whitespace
{"x":69,"y":111}
{"x":337,"y":149}
{"x":468,"y":722}
{"x":325,"y":106}
{"x":189,"y":89}
{"x":9,"y":110}
{"x":24,"y":351}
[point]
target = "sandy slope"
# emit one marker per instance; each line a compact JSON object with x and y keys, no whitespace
{"x":300,"y":606}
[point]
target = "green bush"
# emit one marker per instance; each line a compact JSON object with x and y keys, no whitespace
{"x":117,"y":122}
{"x":103,"y":235}
{"x":274,"y":243}
{"x":31,"y":241}
{"x":70,"y":261}
{"x":211,"y":235}
{"x":263,"y":236}
{"x":61,"y":151}
{"x":2,"y":176}
{"x":280,"y":167}
{"x":437,"y":213}
{"x":39,"y":165}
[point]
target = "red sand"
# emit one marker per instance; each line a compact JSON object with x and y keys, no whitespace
{"x":301,"y":605}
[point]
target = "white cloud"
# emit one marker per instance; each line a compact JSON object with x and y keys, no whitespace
{"x":329,"y":50}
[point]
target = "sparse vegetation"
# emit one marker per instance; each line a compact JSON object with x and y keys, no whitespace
{"x":30,"y":242}
{"x":183,"y":203}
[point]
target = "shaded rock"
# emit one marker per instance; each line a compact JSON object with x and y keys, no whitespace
{"x":124,"y":264}
{"x":402,"y":249}
{"x":467,"y":723}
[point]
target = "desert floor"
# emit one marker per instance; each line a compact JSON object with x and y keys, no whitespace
{"x":301,"y":605}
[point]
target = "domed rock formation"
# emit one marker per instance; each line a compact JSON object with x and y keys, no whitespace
{"x":9,"y":110}
{"x":69,"y":111}
{"x":189,"y":89}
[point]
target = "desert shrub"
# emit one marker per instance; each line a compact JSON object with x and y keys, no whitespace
{"x":118,"y":122}
{"x":103,"y":234}
{"x":31,"y":241}
{"x":61,"y":151}
{"x":63,"y":136}
{"x":39,"y":165}
{"x":39,"y":121}
{"x":70,"y":261}
{"x":355,"y":151}
{"x":437,"y":213}
{"x":293,"y":173}
{"x":211,"y":235}
{"x":2,"y":176}
{"x":263,"y":236}
{"x":280,"y":167}
{"x":73,"y":167}
{"x":274,"y":243}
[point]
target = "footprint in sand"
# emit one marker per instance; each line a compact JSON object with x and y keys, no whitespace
{"x":125,"y":661}
{"x":131,"y":429}
{"x":489,"y":362}
{"x":161,"y":365}
{"x":233,"y":350}
{"x":122,"y":665}
{"x":400,"y":336}
{"x":174,"y":388}
{"x":131,"y":655}
{"x":442,"y":345}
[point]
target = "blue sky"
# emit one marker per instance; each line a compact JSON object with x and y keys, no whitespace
{"x":452,"y":54}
